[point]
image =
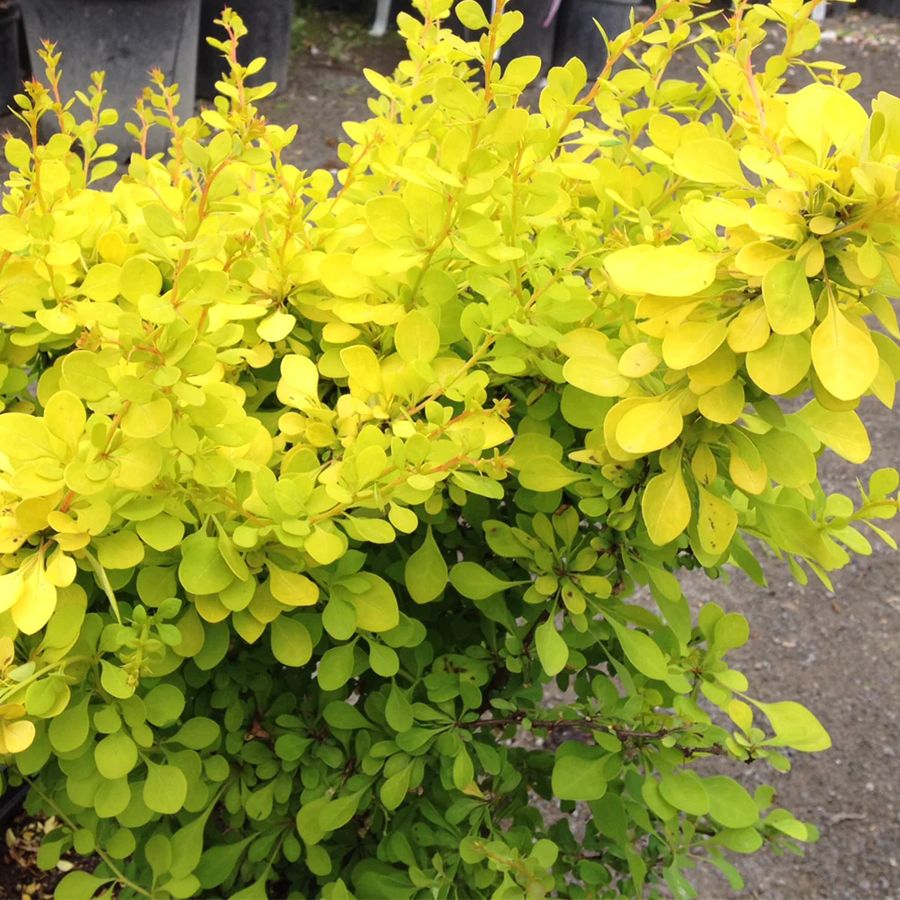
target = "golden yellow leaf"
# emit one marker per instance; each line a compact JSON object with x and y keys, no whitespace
{"x":781,"y":364}
{"x":844,"y":355}
{"x":666,"y":506}
{"x":650,"y":426}
{"x":716,"y":522}
{"x":674,"y":270}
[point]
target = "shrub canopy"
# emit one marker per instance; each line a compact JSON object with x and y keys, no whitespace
{"x":312,"y":485}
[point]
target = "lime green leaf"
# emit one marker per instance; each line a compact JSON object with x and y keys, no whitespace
{"x":642,"y":651}
{"x":376,"y":606}
{"x":794,"y":726}
{"x":115,"y":755}
{"x":842,"y":432}
{"x":165,"y":789}
{"x":79,"y":885}
{"x":598,"y":375}
{"x":553,"y":652}
{"x":291,"y":641}
{"x":339,"y":714}
{"x":202,"y":569}
{"x":139,"y":277}
{"x":162,"y":532}
{"x":336,"y":667}
{"x":469,"y":13}
{"x":325,"y":545}
{"x":164,"y":705}
{"x":729,"y":804}
{"x":544,"y":474}
{"x":685,"y":791}
{"x":70,"y":729}
{"x":426,"y":573}
{"x":292,"y":588}
{"x":417,"y":338}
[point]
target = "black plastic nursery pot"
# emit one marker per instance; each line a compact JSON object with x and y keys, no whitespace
{"x":9,"y":54}
{"x":11,"y":804}
{"x":269,"y":34}
{"x":576,"y":34}
{"x":536,"y":37}
{"x":126,"y":39}
{"x":884,"y":7}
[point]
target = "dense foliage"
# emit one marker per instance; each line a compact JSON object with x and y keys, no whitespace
{"x":342,"y":519}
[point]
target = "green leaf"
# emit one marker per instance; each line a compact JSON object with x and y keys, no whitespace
{"x":425,"y":574}
{"x":202,"y":569}
{"x":642,"y":651}
{"x":398,"y":710}
{"x":339,"y":811}
{"x":116,"y":755}
{"x":291,"y":641}
{"x":393,"y":790}
{"x":162,"y":532}
{"x":729,"y":804}
{"x":685,"y":791}
{"x":336,"y":667}
{"x":218,"y":862}
{"x":115,"y":680}
{"x":339,"y":714}
{"x":475,"y":582}
{"x":197,"y":733}
{"x":309,"y":822}
{"x":376,"y":606}
{"x":187,"y":845}
{"x":553,"y":652}
{"x":79,"y":885}
{"x":165,"y":789}
{"x":70,"y":729}
{"x":164,"y":705}
{"x":578,"y":772}
{"x":339,"y":618}
{"x":463,"y":770}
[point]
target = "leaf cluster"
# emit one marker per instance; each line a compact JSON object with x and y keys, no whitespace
{"x":342,"y":517}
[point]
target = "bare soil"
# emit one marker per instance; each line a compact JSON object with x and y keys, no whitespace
{"x":840,"y":654}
